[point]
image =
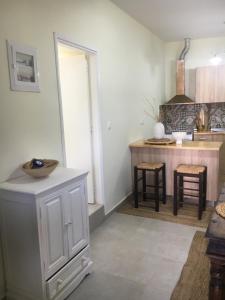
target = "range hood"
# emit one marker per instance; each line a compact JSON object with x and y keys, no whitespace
{"x":180,"y":78}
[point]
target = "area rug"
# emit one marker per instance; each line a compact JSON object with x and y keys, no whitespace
{"x":187,"y":215}
{"x":194,"y":280}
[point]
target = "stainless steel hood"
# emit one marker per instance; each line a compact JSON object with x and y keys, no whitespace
{"x":180,"y":96}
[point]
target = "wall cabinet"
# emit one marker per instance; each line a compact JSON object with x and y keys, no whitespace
{"x":45,"y":235}
{"x":210,"y":85}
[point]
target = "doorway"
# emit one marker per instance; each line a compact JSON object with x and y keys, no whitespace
{"x":77,"y":82}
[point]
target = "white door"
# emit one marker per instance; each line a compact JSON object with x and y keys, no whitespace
{"x":78,"y":228}
{"x":76,"y":111}
{"x":54,"y":233}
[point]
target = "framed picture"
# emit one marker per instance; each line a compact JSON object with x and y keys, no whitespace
{"x":23,"y":68}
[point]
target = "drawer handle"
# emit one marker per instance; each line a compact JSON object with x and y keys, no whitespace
{"x":59,"y":282}
{"x":203,"y":139}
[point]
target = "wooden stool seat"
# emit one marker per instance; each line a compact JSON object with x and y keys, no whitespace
{"x":190,"y":169}
{"x":149,"y":166}
{"x":155,"y":169}
{"x":193,"y":174}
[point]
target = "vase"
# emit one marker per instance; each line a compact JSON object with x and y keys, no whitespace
{"x":158,"y":130}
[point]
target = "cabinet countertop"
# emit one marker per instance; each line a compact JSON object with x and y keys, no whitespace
{"x":187,"y":145}
{"x":30,"y":185}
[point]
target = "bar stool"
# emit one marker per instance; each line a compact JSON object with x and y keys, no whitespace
{"x":190,"y":171}
{"x":154,"y":168}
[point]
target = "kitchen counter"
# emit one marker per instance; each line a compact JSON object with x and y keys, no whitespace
{"x":187,"y":145}
{"x":205,"y":153}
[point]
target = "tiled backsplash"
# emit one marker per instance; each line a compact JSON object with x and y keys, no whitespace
{"x":181,"y":117}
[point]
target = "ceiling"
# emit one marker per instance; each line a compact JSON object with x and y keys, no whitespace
{"x":173,"y":20}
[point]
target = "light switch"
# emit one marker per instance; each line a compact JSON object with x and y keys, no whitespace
{"x":109,"y":125}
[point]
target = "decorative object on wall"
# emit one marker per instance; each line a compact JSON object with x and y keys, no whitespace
{"x":40,"y":167}
{"x":182,"y":117}
{"x":23,"y":68}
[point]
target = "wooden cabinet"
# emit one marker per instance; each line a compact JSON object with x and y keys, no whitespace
{"x":214,"y":137}
{"x":210,"y":84}
{"x":209,"y":136}
{"x":45,"y":235}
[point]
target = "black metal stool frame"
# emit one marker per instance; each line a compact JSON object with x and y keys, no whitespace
{"x":156,"y":185}
{"x":179,"y":190}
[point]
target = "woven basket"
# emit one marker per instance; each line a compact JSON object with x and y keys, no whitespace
{"x":49,"y":166}
{"x":220,"y":209}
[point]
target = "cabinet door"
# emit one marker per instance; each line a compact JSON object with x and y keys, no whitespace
{"x":206,"y":84}
{"x":78,"y":229}
{"x":54,"y":233}
{"x":210,"y":85}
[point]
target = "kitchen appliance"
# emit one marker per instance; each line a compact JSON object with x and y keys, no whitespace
{"x":180,"y":96}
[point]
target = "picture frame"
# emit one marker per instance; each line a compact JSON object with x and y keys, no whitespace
{"x":23,"y":68}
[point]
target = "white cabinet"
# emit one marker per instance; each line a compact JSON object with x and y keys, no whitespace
{"x":45,"y":235}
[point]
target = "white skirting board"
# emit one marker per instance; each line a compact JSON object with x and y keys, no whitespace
{"x":118,"y":204}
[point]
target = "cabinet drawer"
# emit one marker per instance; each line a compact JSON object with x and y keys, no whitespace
{"x":60,"y":280}
{"x":203,"y":138}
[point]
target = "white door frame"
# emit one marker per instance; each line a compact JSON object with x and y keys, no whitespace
{"x":94,"y":108}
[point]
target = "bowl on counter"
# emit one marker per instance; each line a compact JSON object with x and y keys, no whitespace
{"x":46,"y":167}
{"x":179,"y":136}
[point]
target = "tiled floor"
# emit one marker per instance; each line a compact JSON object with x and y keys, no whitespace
{"x":135,"y":259}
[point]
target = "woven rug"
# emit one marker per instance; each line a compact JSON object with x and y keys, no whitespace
{"x":194,"y":280}
{"x":187,"y":215}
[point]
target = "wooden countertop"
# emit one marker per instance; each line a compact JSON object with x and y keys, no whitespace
{"x":190,"y":145}
{"x":209,"y":132}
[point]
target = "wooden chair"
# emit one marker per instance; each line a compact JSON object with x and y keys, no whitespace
{"x":154,"y":168}
{"x":182,"y":175}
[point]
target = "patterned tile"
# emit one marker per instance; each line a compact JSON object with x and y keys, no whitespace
{"x":182,"y":117}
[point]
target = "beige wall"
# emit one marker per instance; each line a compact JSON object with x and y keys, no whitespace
{"x":201,"y":51}
{"x":130,"y":69}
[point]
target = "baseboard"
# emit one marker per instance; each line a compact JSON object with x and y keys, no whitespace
{"x":95,"y":222}
{"x":115,"y":207}
{"x":96,"y":218}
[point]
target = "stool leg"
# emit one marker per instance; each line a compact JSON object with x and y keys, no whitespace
{"x":157,"y":190}
{"x":181,"y":191}
{"x":164,"y":183}
{"x":135,"y":187}
{"x":175,"y":194}
{"x":200,"y":202}
{"x":144,"y":184}
{"x":205,"y":188}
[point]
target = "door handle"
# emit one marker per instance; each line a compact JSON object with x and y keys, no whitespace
{"x":68,"y":223}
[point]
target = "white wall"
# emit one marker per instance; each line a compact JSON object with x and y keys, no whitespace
{"x":200,"y":52}
{"x":130,"y":68}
